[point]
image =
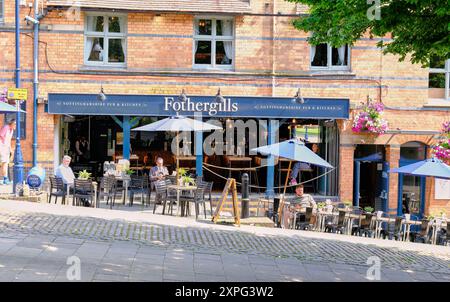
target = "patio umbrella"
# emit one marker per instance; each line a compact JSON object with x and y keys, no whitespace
{"x":294,"y":150}
{"x":431,"y":167}
{"x":7,"y":108}
{"x":177,"y":124}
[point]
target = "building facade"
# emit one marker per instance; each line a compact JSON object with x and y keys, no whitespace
{"x":251,"y":52}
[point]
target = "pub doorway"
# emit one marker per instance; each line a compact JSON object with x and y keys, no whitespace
{"x":371,"y":177}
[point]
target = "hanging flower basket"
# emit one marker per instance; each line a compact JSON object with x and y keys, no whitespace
{"x":4,"y":95}
{"x":442,"y":149}
{"x":370,"y":119}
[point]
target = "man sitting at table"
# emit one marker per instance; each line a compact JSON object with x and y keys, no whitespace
{"x":158,"y":172}
{"x":65,"y":172}
{"x":302,"y":201}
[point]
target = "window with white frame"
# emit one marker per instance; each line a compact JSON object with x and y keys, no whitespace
{"x":324,"y":56}
{"x":439,"y":79}
{"x":213,"y":42}
{"x":105,"y":39}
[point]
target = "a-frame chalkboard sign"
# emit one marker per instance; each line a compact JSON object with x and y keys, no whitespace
{"x":230,"y":186}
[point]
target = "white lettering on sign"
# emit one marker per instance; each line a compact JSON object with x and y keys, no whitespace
{"x":211,"y":108}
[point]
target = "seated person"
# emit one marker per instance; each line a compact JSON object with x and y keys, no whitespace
{"x":65,"y":172}
{"x":158,"y":172}
{"x":299,"y":166}
{"x":301,"y":201}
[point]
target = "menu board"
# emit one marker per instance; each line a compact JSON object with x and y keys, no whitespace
{"x":441,"y":188}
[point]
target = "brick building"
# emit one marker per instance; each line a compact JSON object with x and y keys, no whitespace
{"x":138,"y":50}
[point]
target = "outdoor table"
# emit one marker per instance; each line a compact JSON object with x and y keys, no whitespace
{"x":180,"y":189}
{"x":321,"y":216}
{"x":406,"y":223}
{"x":126,"y":182}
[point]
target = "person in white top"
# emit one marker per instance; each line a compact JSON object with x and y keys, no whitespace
{"x":65,"y":172}
{"x":6,"y":134}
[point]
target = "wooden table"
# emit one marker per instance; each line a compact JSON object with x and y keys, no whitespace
{"x":180,"y":189}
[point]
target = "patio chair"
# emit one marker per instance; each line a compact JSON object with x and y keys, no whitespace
{"x":307,"y":223}
{"x":163,"y":196}
{"x":198,"y":198}
{"x":56,"y":183}
{"x":107,"y":189}
{"x":444,"y":235}
{"x":356,"y":223}
{"x":147,"y":188}
{"x":83,"y":190}
{"x":423,"y":235}
{"x":339,"y":226}
{"x":394,"y":230}
{"x":367,"y":226}
{"x":137,"y":186}
{"x":207,"y":190}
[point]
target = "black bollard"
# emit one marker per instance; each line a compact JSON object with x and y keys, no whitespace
{"x":245,"y":203}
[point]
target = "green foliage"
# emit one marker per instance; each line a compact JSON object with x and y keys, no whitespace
{"x":189,"y":180}
{"x":129,"y":172}
{"x":419,"y":28}
{"x":321,"y":205}
{"x":182,"y":172}
{"x":84,"y":175}
{"x":368,"y":209}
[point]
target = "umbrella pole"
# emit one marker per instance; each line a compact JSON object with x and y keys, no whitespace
{"x":281,"y":206}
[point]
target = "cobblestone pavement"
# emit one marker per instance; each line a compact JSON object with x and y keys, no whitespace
{"x":35,"y":243}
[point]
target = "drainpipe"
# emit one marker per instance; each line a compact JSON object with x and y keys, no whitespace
{"x":272,"y":128}
{"x":37,"y":17}
{"x":18,"y":159}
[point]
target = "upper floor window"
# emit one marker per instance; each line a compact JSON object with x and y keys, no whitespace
{"x":105,"y":39}
{"x":324,"y":56}
{"x":439,"y":80}
{"x":214,"y":42}
{"x":1,"y":11}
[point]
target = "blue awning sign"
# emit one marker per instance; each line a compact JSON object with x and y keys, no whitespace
{"x":159,"y":105}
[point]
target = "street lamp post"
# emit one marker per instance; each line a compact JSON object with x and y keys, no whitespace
{"x":18,"y":159}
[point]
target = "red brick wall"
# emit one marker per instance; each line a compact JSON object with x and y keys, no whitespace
{"x":272,"y":59}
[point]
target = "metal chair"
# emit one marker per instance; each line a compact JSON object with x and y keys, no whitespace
{"x":83,"y":190}
{"x":137,"y":186}
{"x":163,"y":196}
{"x":424,"y":234}
{"x":107,"y":189}
{"x":56,"y":183}
{"x":394,"y":230}
{"x":367,"y":226}
{"x":444,"y":235}
{"x":198,"y":198}
{"x":356,"y":223}
{"x":339,"y":226}
{"x":207,"y":190}
{"x":306,"y":224}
